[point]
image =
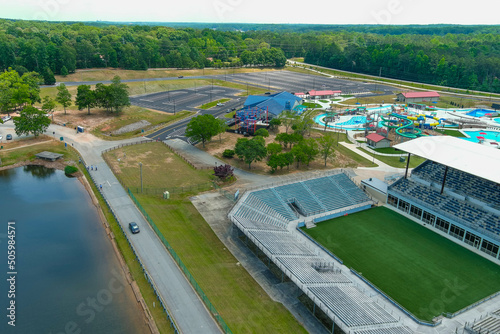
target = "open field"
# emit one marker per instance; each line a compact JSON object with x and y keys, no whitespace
{"x":103,"y":74}
{"x":25,"y":149}
{"x":423,"y":271}
{"x":242,"y":303}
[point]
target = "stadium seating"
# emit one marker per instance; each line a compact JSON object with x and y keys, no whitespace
{"x":463,"y":211}
{"x":460,"y":182}
{"x":390,"y":330}
{"x":487,"y":325}
{"x":351,"y":306}
{"x":305,"y":271}
{"x":281,"y":243}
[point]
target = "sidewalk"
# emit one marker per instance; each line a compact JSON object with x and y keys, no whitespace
{"x":382,"y":166}
{"x":183,"y":303}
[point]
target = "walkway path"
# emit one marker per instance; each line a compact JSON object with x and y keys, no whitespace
{"x":183,"y":303}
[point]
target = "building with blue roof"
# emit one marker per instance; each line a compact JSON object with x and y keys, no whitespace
{"x":275,"y":104}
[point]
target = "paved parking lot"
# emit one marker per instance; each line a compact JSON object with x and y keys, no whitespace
{"x":185,"y":99}
{"x":298,"y":82}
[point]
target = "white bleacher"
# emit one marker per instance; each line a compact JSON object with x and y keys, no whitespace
{"x":388,"y":330}
{"x":272,"y":199}
{"x":257,"y":225}
{"x":305,"y":270}
{"x":351,"y":306}
{"x":281,"y":243}
{"x":488,"y":325}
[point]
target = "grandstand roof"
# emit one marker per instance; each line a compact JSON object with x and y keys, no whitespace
{"x":466,"y":156}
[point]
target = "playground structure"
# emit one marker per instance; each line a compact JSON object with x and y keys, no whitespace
{"x":248,"y":119}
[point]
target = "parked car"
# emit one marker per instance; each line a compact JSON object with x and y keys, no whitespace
{"x":134,"y":228}
{"x":8,"y":137}
{"x":181,"y":76}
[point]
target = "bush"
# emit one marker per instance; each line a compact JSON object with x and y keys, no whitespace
{"x":70,"y":170}
{"x":262,"y":132}
{"x":228,"y":153}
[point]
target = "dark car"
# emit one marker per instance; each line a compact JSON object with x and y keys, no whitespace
{"x":134,"y":228}
{"x":267,"y":93}
{"x":181,"y":76}
{"x":8,"y":137}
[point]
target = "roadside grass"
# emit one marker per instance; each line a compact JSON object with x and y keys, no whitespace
{"x":106,"y":74}
{"x":453,"y":133}
{"x":238,"y":298}
{"x":212,"y":104}
{"x":298,"y":59}
{"x":230,"y":115}
{"x":324,"y":101}
{"x":395,"y":161}
{"x":300,"y":69}
{"x":133,"y":115}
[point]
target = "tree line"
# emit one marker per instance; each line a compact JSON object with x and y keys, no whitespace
{"x":458,"y":56}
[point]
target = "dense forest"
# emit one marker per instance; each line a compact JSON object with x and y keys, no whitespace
{"x":458,"y":56}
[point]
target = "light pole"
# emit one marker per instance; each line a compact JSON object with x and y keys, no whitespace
{"x":140,"y":167}
{"x":174,"y":106}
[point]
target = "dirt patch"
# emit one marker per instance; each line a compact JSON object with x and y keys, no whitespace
{"x":74,"y":118}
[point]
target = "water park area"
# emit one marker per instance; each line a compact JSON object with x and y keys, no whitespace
{"x":399,"y":123}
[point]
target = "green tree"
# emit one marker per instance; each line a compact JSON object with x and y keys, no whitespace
{"x":48,"y":106}
{"x":273,"y":148}
{"x":103,"y":97}
{"x":273,"y":162}
{"x":221,"y":128}
{"x":274,"y":124}
{"x":31,"y":121}
{"x":48,"y":76}
{"x":262,"y":132}
{"x":202,"y":128}
{"x":63,"y":96}
{"x":118,"y":93}
{"x":250,"y":150}
{"x":85,"y":98}
{"x":287,"y":118}
{"x":326,"y":144}
{"x":64,"y":71}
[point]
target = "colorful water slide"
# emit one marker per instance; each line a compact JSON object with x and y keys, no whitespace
{"x":402,"y":130}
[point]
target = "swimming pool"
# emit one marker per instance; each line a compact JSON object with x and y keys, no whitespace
{"x":490,"y":135}
{"x":497,"y":120}
{"x":479,"y":112}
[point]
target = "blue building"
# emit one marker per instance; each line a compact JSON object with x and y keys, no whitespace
{"x":275,"y":104}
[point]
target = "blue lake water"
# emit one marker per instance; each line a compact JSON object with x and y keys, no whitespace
{"x":68,"y":277}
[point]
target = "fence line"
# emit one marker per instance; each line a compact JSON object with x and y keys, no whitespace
{"x":172,"y":190}
{"x":184,"y":269}
{"x":144,"y":270}
{"x":144,"y":141}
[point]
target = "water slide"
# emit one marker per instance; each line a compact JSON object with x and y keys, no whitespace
{"x":402,"y":129}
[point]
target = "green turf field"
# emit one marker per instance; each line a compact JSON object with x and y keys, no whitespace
{"x":423,"y":271}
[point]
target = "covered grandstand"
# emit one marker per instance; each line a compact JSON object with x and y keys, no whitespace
{"x":456,"y":191}
{"x":269,"y":217}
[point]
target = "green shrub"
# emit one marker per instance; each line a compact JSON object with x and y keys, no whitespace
{"x":70,"y":170}
{"x":228,"y":153}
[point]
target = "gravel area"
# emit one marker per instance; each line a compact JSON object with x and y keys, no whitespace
{"x":132,"y":127}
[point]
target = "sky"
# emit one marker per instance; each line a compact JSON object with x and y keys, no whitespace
{"x":258,"y":11}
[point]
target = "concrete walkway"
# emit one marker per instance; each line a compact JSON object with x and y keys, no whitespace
{"x":183,"y":303}
{"x":382,"y":166}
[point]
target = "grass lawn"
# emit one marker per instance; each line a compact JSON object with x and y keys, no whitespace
{"x":241,"y":302}
{"x":394,"y":161}
{"x":100,"y":74}
{"x":213,"y":104}
{"x":389,"y":150}
{"x":324,"y":101}
{"x":311,"y":105}
{"x":421,"y":270}
{"x":453,"y":133}
{"x":230,"y":115}
{"x":22,"y":150}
